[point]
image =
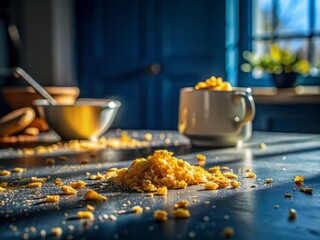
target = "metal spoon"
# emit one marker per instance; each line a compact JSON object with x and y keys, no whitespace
{"x":19,"y":72}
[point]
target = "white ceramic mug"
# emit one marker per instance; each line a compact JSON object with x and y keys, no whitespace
{"x":216,"y":118}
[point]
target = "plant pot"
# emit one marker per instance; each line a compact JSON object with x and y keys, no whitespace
{"x":285,"y":80}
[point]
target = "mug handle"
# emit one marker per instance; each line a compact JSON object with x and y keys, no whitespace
{"x":249,"y":108}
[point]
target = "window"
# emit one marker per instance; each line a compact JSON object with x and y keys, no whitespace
{"x":291,"y":24}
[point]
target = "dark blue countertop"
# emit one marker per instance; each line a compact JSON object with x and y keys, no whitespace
{"x":249,"y":211}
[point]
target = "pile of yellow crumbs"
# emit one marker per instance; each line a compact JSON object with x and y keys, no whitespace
{"x":213,"y":83}
{"x":162,"y":169}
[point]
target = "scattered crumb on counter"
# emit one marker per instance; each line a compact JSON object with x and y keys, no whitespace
{"x":181,"y":213}
{"x":160,"y":215}
{"x":137,"y":209}
{"x":36,"y":179}
{"x":269,"y":180}
{"x":235,"y":184}
{"x":228,"y":232}
{"x":251,"y":175}
{"x":85,"y":214}
{"x":79,"y":184}
{"x":93,"y":195}
{"x":292,"y":214}
{"x":162,"y":190}
{"x":98,"y":177}
{"x":18,"y":170}
{"x":68,"y":190}
{"x":5,"y":173}
{"x":181,"y":204}
{"x":147,"y":137}
{"x":34,"y":185}
{"x":306,"y":190}
{"x":56,"y":231}
{"x":299,"y":180}
{"x":52,"y":198}
{"x":90,"y":208}
{"x":288,"y":195}
{"x":211,"y":186}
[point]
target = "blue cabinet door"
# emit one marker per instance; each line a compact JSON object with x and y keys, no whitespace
{"x":142,"y":52}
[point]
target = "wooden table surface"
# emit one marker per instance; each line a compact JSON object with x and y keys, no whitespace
{"x":249,"y":211}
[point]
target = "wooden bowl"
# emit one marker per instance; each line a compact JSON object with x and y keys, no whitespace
{"x":20,"y":97}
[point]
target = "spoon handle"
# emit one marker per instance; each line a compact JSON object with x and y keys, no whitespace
{"x":19,"y":72}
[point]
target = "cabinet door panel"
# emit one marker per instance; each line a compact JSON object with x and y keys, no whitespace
{"x":119,"y":40}
{"x":192,"y":49}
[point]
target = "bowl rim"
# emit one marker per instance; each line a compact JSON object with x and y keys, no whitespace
{"x":81,"y":102}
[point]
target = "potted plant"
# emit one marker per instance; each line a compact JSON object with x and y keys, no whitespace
{"x":283,"y":64}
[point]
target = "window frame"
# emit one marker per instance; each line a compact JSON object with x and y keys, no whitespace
{"x":247,"y":38}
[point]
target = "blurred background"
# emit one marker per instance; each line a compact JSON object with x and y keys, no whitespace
{"x":142,"y":52}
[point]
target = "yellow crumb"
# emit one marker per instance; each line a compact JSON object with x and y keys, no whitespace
{"x":215,"y":169}
{"x":269,"y":180}
{"x":5,"y":173}
{"x":150,"y":195}
{"x":160,"y":215}
{"x":228,"y":232}
{"x":225,"y":168}
{"x":306,"y":190}
{"x":211,"y":186}
{"x":162,"y":190}
{"x":68,"y":190}
{"x":147,"y":137}
{"x":235,"y":184}
{"x":247,"y":170}
{"x":288,"y":195}
{"x":79,"y":184}
{"x":230,"y":175}
{"x":1,"y":189}
{"x":215,"y":84}
{"x":97,"y":177}
{"x":251,"y":175}
{"x":181,"y":204}
{"x":201,"y":157}
{"x":86,"y":214}
{"x":36,"y":179}
{"x":93,"y":195}
{"x":56,"y":231}
{"x":52,"y":198}
{"x":181,"y":213}
{"x":90,"y":208}
{"x":34,"y":184}
{"x":137,"y":209}
{"x":18,"y":170}
{"x":299,"y":180}
{"x":58,"y":182}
